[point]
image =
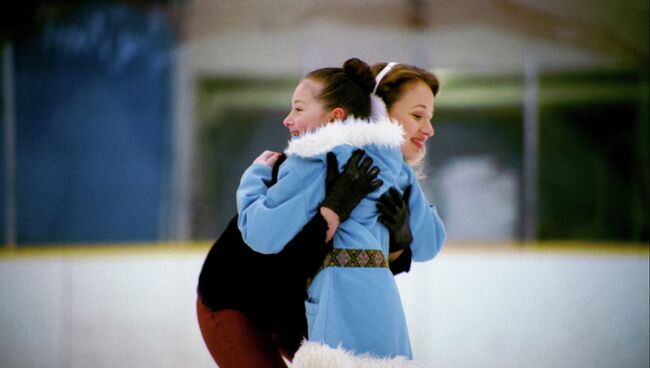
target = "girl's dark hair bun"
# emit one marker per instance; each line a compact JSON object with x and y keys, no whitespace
{"x":360,"y":73}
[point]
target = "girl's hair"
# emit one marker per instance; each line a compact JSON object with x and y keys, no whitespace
{"x":394,"y":83}
{"x":348,"y":87}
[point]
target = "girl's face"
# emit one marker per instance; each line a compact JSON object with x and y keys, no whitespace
{"x":307,"y":111}
{"x":414,"y":110}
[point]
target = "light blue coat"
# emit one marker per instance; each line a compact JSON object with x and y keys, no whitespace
{"x":356,"y":308}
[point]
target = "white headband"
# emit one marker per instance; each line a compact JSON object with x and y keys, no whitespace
{"x":382,"y":74}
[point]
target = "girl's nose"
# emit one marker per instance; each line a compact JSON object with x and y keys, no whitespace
{"x":287,"y":121}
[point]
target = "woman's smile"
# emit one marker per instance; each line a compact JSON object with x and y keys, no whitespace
{"x":419,"y":142}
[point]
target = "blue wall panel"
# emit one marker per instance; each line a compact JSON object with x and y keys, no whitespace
{"x":93,"y":127}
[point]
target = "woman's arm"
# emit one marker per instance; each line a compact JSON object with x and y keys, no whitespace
{"x":394,"y":214}
{"x":333,"y":222}
{"x":400,"y":261}
{"x":412,"y":223}
{"x":426,"y":226}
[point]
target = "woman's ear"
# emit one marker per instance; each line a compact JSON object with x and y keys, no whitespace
{"x":338,"y":114}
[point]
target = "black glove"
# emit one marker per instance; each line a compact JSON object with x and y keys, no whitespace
{"x":344,"y":191}
{"x":402,"y":263}
{"x":394,"y":214}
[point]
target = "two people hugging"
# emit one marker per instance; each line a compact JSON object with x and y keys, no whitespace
{"x":322,"y":228}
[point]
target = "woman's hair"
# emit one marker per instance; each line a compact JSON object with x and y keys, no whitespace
{"x":394,"y":83}
{"x":348,"y":87}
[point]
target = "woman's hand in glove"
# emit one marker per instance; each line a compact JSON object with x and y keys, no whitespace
{"x":394,"y":214}
{"x":344,"y":190}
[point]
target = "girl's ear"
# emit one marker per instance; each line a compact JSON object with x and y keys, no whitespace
{"x":338,"y":114}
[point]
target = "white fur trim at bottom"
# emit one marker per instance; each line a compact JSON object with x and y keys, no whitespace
{"x":317,"y":355}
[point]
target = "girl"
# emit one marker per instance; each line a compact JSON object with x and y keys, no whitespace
{"x":353,"y":301}
{"x":250,"y":306}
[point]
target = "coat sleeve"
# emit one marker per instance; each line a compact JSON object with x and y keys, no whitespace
{"x":270,"y":217}
{"x":426,"y":226}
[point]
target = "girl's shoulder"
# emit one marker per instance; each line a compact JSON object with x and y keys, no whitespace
{"x":303,"y":167}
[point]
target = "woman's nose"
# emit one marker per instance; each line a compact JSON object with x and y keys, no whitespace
{"x":427,"y":129}
{"x":287,"y":121}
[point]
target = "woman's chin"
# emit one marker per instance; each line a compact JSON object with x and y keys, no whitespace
{"x":412,"y":154}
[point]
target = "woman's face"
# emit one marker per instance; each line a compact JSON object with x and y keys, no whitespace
{"x":307,"y":111}
{"x":414,"y":110}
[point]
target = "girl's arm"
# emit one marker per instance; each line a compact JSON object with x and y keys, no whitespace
{"x":270,"y":217}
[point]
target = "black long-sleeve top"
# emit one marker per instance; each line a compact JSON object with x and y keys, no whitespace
{"x":266,"y":287}
{"x":270,"y":288}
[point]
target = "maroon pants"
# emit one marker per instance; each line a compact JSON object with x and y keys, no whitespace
{"x":234,"y":340}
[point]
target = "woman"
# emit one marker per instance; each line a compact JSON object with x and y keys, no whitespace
{"x":353,"y":300}
{"x":407,"y":95}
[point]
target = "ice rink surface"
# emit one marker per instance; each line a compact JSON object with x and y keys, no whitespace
{"x":469,"y":307}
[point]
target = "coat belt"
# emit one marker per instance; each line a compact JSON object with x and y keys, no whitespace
{"x":340,"y":257}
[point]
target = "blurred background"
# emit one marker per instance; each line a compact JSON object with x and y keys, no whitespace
{"x":126,"y":126}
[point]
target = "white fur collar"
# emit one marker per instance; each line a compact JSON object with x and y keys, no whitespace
{"x":353,"y":132}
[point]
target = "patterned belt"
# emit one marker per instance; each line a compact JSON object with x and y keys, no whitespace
{"x":339,"y":257}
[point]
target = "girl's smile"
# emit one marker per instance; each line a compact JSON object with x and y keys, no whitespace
{"x":307,"y":111}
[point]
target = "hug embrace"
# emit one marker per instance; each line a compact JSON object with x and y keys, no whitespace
{"x":307,"y":265}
